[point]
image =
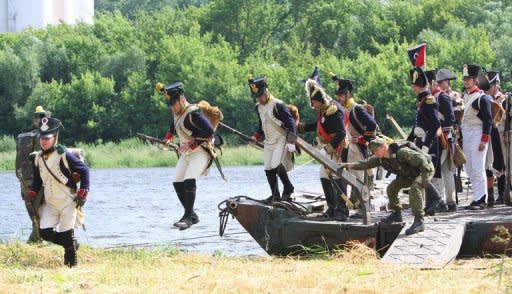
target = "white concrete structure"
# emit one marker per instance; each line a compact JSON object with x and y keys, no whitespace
{"x":16,"y":15}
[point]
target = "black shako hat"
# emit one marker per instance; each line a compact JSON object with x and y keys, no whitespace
{"x":342,"y":86}
{"x":493,"y":76}
{"x":418,"y":77}
{"x":49,"y":127}
{"x":257,"y":85}
{"x":431,"y":76}
{"x":470,"y":70}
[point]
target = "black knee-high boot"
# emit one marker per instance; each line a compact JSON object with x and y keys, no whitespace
{"x":334,"y":208}
{"x":287,"y":184}
{"x":272,"y":181}
{"x":189,"y":198}
{"x":50,"y":235}
{"x":179,"y":187}
{"x":501,"y":189}
{"x":69,"y":244}
{"x":432,"y":199}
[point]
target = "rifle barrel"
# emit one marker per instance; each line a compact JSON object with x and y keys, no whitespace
{"x":240,"y":134}
{"x":159,"y":141}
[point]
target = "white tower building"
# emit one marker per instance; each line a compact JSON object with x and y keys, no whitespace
{"x":16,"y":15}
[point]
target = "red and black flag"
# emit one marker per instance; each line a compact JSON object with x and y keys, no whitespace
{"x":418,"y":55}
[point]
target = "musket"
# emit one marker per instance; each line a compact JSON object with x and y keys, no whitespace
{"x":34,"y":216}
{"x":248,"y":139}
{"x":362,"y":191}
{"x":155,"y":140}
{"x":396,"y":126}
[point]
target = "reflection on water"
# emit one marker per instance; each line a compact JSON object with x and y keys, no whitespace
{"x":139,"y":206}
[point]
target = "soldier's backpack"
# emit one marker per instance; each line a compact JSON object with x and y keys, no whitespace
{"x":212,"y":113}
{"x":214,"y":116}
{"x":368,"y":107}
{"x":497,"y":111}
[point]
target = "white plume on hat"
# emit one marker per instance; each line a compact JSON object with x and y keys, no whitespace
{"x":312,"y":88}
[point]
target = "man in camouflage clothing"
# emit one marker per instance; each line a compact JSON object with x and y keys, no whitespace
{"x":26,"y":143}
{"x":413,"y":169}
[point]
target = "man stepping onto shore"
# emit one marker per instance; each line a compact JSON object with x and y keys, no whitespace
{"x":195,"y":134}
{"x":58,"y":172}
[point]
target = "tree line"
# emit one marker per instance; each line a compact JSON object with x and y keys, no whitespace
{"x":98,"y":79}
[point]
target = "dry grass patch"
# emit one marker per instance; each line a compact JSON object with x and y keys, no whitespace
{"x":29,"y":269}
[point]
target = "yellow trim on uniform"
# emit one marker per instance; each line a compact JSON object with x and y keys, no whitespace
{"x":430,"y":99}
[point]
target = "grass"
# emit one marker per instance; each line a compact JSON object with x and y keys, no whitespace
{"x":133,"y":153}
{"x":37,"y":268}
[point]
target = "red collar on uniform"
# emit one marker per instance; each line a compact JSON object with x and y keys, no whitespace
{"x":476,"y":89}
{"x":436,"y":90}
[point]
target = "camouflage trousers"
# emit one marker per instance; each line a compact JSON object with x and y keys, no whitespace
{"x":416,"y":194}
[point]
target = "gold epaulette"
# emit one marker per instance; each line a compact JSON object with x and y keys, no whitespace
{"x":430,"y":99}
{"x":332,"y":109}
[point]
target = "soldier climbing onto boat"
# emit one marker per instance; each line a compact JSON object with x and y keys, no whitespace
{"x":26,"y":144}
{"x":58,"y":172}
{"x":361,"y":128}
{"x":276,"y":125}
{"x":195,"y":134}
{"x":413,"y":168}
{"x":332,"y":139}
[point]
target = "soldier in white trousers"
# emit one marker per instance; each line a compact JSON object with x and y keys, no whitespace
{"x":58,"y":172}
{"x":195,"y":134}
{"x":277,"y":128}
{"x":476,"y":130}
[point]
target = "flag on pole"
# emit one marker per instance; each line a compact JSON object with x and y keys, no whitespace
{"x":315,"y":75}
{"x":418,"y":55}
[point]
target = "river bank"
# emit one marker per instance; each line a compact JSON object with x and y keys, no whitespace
{"x":134,"y":153}
{"x":37,"y":268}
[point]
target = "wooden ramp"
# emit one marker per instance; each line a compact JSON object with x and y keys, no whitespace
{"x":433,"y":248}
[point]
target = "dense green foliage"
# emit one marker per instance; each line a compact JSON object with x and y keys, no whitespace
{"x":99,"y":79}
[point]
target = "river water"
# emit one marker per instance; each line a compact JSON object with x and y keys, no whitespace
{"x":137,"y":207}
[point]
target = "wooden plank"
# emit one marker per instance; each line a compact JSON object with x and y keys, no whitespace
{"x":361,"y":189}
{"x":433,"y":248}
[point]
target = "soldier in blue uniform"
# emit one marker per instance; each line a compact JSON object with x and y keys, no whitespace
{"x":195,"y":134}
{"x":446,"y":183}
{"x":58,"y":172}
{"x":277,"y":126}
{"x":330,"y":128}
{"x":499,"y":134}
{"x":476,"y":133}
{"x":489,"y":82}
{"x":426,"y":132}
{"x":448,"y":124}
{"x":361,"y":127}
